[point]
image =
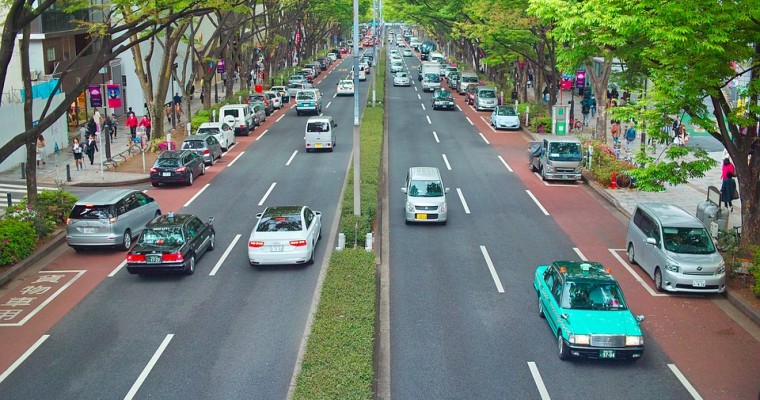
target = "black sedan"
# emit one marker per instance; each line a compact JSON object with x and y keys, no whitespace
{"x":180,"y":166}
{"x":171,"y":243}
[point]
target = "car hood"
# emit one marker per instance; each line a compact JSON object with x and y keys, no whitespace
{"x":602,"y":322}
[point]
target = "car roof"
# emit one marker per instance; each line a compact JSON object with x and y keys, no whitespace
{"x":173,"y":153}
{"x":105,"y":196}
{"x":197,"y":138}
{"x":321,"y":118}
{"x":671,"y":215}
{"x":575,"y":271}
{"x":216,"y":124}
{"x":424,"y":173}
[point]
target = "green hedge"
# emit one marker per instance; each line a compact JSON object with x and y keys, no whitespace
{"x":53,"y":207}
{"x":17,"y":240}
{"x":338,"y":359}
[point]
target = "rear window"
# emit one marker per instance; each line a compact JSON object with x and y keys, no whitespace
{"x":305,"y":95}
{"x":162,"y":236}
{"x":193,"y":144}
{"x":231,"y":111}
{"x":208,"y":131}
{"x":167,"y":162}
{"x":91,"y":212}
{"x":470,"y":79}
{"x":280,"y":223}
{"x":318,"y":127}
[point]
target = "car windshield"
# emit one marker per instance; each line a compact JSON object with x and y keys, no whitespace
{"x":425,"y":189}
{"x":432,"y":78}
{"x":257,"y":98}
{"x":90,"y":212}
{"x":470,"y":79}
{"x":506,"y":111}
{"x":193,"y":144}
{"x":207,"y":131}
{"x":162,"y":236}
{"x":592,"y":295}
{"x":487,"y":94}
{"x":401,"y":74}
{"x":296,"y":78}
{"x":294,"y":86}
{"x":279,"y":223}
{"x":560,"y":151}
{"x":687,"y":240}
{"x":167,"y":162}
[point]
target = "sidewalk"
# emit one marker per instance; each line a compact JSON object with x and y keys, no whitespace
{"x":54,"y":170}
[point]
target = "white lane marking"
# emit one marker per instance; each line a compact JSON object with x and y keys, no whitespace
{"x":459,"y":108}
{"x":539,"y":382}
{"x":236,"y":158}
{"x":495,"y":277}
{"x":469,"y":120}
{"x":423,"y":106}
{"x":49,"y":299}
{"x":435,"y":135}
{"x":429,"y":121}
{"x":483,"y":137}
{"x":328,"y":104}
{"x":446,"y":160}
{"x":636,"y":276}
{"x":535,"y":200}
{"x":692,"y":391}
{"x":262,"y":134}
{"x":23,"y":357}
{"x":263,"y":199}
{"x":291,"y":157}
{"x":118,"y":268}
{"x":415,"y":88}
{"x":505,"y":164}
{"x":419,"y":97}
{"x":335,"y":95}
{"x":464,"y":202}
{"x":278,"y":119}
{"x":224,"y":256}
{"x":197,"y":194}
{"x":580,"y":254}
{"x":149,"y":367}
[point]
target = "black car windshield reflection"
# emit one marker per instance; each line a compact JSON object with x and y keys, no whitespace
{"x":163,"y":236}
{"x":565,"y":151}
{"x":592,"y":295}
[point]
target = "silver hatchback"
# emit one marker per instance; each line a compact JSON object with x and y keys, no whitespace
{"x":109,"y":218}
{"x":206,"y":146}
{"x":425,"y":196}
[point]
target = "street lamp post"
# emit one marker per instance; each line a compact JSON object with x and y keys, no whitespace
{"x":107,"y":146}
{"x":174,"y":96}
{"x":357,"y":174}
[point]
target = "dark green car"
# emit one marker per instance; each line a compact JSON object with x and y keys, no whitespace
{"x":442,"y":98}
{"x":171,"y":243}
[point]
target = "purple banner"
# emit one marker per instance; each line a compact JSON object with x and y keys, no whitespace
{"x":580,"y":78}
{"x":96,"y":95}
{"x":220,"y":66}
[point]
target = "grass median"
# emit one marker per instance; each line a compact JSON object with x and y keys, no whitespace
{"x":338,"y":360}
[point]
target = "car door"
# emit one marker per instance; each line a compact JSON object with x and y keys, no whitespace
{"x":311,"y":235}
{"x":145,"y":212}
{"x":552,"y":309}
{"x":643,"y":249}
{"x":214,"y":146}
{"x":129,"y":211}
{"x":228,"y":134}
{"x":197,"y":234}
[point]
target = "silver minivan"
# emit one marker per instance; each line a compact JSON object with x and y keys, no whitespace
{"x":109,"y":218}
{"x":485,"y":98}
{"x":425,"y":196}
{"x":675,"y":249}
{"x":320,"y":133}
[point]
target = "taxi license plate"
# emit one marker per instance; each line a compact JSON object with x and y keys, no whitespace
{"x":166,"y":174}
{"x":606,"y":353}
{"x":421,"y":216}
{"x":88,"y":230}
{"x":153,"y":259}
{"x":319,"y":144}
{"x":699,"y":283}
{"x":275,"y":248}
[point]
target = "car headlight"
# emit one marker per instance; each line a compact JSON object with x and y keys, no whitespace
{"x":548,"y":167}
{"x":409,"y":207}
{"x":442,"y":208}
{"x":634,"y":340}
{"x":721,"y":267}
{"x":671,"y":265}
{"x":579,"y":339}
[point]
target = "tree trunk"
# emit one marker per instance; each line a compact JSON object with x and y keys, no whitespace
{"x":599,"y":82}
{"x":31,"y":144}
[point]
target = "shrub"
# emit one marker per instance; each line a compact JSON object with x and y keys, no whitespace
{"x":17,"y":240}
{"x":546,"y":122}
{"x":604,"y":162}
{"x":755,"y":270}
{"x":55,"y":204}
{"x":163,"y":145}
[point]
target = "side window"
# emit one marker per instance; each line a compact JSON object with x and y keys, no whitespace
{"x":212,"y":140}
{"x":646,"y":225}
{"x":121,"y":207}
{"x":142,"y":199}
{"x":309,"y":217}
{"x":549,"y":278}
{"x":655,"y":233}
{"x":637,"y":217}
{"x":194,"y":227}
{"x":557,"y":290}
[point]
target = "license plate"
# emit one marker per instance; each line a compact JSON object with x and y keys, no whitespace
{"x":319,"y":144}
{"x":606,"y":353}
{"x":421,"y":216}
{"x":699,"y":283}
{"x":153,"y":259}
{"x":166,"y":174}
{"x":88,"y":230}
{"x":275,"y":248}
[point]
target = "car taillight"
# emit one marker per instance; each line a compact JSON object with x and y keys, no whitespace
{"x":172,"y":257}
{"x":329,"y":144}
{"x":207,"y":151}
{"x":255,"y":243}
{"x":152,"y":170}
{"x":242,"y":126}
{"x":181,"y":169}
{"x":298,"y":243}
{"x":68,"y":221}
{"x":136,"y":258}
{"x":112,"y":219}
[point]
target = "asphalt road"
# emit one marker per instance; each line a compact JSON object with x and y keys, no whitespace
{"x":464,"y":320}
{"x":233,"y":335}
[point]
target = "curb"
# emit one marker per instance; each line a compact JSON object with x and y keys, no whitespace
{"x":108,"y":184}
{"x":58,"y":239}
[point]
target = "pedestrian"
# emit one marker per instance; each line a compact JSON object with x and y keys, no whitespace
{"x":130,"y":112}
{"x":114,"y":126}
{"x":585,"y":110}
{"x":676,"y":125}
{"x":168,"y":112}
{"x":546,"y":94}
{"x":92,"y":147}
{"x":177,"y":98}
{"x":203,"y":97}
{"x":132,"y":124}
{"x":593,"y":107}
{"x":77,"y":149}
{"x":96,"y":117}
{"x":41,"y":150}
{"x":630,"y":134}
{"x":145,"y":122}
{"x":615,"y":131}
{"x":178,"y":111}
{"x":92,"y":127}
{"x":681,"y":136}
{"x":571,"y":103}
{"x":108,"y":127}
{"x":728,"y":192}
{"x":728,"y":168}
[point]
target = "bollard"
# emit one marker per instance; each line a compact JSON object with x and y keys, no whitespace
{"x":189,"y":127}
{"x":368,"y":242}
{"x":213,"y":113}
{"x":68,"y":173}
{"x":23,"y":170}
{"x":10,"y":199}
{"x":341,"y":241}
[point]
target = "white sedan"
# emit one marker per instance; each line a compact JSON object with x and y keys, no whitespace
{"x":401,"y":79}
{"x":222,"y":131}
{"x":285,"y":235}
{"x":407,"y":53}
{"x":396,"y":66}
{"x":345,"y":87}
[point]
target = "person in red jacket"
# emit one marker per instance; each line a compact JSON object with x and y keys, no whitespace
{"x":132,"y":124}
{"x":145,"y":122}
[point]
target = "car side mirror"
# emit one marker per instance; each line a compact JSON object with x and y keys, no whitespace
{"x":336,"y":125}
{"x":564,"y":316}
{"x":651,"y":241}
{"x":258,"y":215}
{"x":639,"y":318}
{"x":210,"y":220}
{"x":446,"y":190}
{"x":403,"y":190}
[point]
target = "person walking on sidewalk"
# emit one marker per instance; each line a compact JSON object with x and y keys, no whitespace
{"x":78,"y":151}
{"x":728,"y":168}
{"x":615,"y":131}
{"x":92,"y":147}
{"x":630,"y":134}
{"x":585,"y":110}
{"x":41,"y":150}
{"x":145,"y":122}
{"x":728,"y":191}
{"x":593,"y":107}
{"x":132,"y":124}
{"x":114,"y":126}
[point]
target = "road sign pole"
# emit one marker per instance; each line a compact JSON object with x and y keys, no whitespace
{"x":357,"y":174}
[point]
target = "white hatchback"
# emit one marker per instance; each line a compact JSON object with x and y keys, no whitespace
{"x":221,"y":131}
{"x":285,"y":235}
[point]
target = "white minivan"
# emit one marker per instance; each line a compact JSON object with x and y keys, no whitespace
{"x":674,"y":248}
{"x":320,"y":133}
{"x":425,"y":196}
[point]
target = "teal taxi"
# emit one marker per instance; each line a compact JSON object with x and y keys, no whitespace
{"x":585,"y":309}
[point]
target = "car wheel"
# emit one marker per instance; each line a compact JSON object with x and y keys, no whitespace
{"x":157,"y":214}
{"x":658,"y":279}
{"x":191,"y":267}
{"x":78,"y":249}
{"x":308,"y":150}
{"x":190,"y":180}
{"x":203,"y":170}
{"x":631,"y":254}
{"x":543,"y":174}
{"x":311,"y":258}
{"x":320,"y":233}
{"x":298,"y":113}
{"x":154,"y":184}
{"x":564,"y":352}
{"x":540,"y":308}
{"x":126,"y":242}
{"x":212,"y":241}
{"x":533,"y":166}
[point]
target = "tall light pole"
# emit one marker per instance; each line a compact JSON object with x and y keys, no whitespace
{"x":357,"y":175}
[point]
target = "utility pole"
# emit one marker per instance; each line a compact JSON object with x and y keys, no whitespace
{"x":357,"y":175}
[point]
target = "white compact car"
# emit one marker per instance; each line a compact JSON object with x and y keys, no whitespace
{"x":505,"y":117}
{"x":345,"y":88}
{"x":222,"y":131}
{"x":397,"y":66}
{"x":285,"y":235}
{"x":401,"y":79}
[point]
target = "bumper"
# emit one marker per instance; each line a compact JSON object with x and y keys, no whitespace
{"x":616,"y":353}
{"x":444,"y":104}
{"x":506,"y":125}
{"x":479,"y":106}
{"x":673,"y":282}
{"x":242,"y":132}
{"x":560,"y":176}
{"x":170,"y":179}
{"x":319,"y":145}
{"x":93,"y":240}
{"x":155,"y":268}
{"x":268,"y":258}
{"x":425,"y":216}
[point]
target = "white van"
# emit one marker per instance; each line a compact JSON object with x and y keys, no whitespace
{"x":674,"y":248}
{"x":425,"y":196}
{"x":320,"y":133}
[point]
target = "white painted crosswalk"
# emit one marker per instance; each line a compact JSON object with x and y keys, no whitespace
{"x":17,"y":193}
